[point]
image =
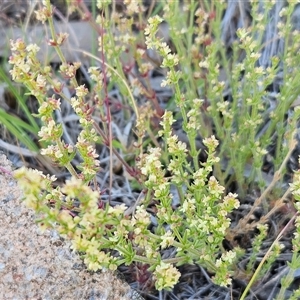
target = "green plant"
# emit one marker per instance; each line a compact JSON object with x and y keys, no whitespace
{"x":197,"y":228}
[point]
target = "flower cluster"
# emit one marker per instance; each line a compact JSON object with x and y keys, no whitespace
{"x":88,"y":136}
{"x":32,"y":182}
{"x":27,"y":68}
{"x":45,"y":12}
{"x":166,"y":276}
{"x":151,"y":166}
{"x":140,"y":222}
{"x":170,"y":60}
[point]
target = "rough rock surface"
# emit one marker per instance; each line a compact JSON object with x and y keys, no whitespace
{"x":35,"y":265}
